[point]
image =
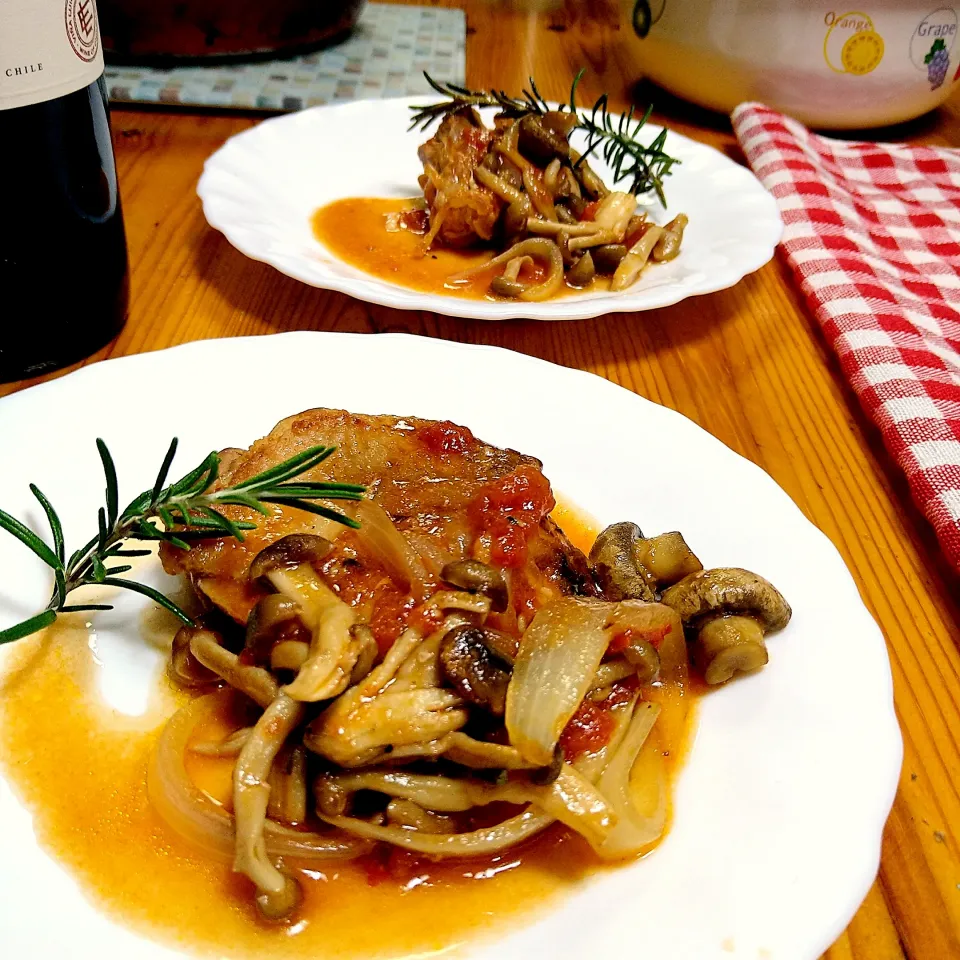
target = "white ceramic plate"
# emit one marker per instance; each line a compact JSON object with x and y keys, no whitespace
{"x":780,"y":807}
{"x":262,"y":187}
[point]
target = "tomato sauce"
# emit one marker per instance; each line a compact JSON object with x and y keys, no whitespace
{"x":510,"y":510}
{"x":592,"y":726}
{"x":653,"y":635}
{"x":355,"y":230}
{"x":60,"y":741}
{"x":443,"y":436}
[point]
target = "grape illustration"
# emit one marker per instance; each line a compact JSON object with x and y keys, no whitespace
{"x":937,"y":61}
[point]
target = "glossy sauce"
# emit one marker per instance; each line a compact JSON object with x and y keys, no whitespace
{"x":355,"y":230}
{"x":59,"y":741}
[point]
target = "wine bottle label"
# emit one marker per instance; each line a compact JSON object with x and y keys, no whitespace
{"x":48,"y":48}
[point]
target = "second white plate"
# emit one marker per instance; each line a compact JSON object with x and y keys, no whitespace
{"x":262,"y":187}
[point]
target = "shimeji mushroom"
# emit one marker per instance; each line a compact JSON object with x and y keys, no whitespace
{"x":271,"y":615}
{"x":731,"y":610}
{"x":475,"y":672}
{"x":289,"y":552}
{"x":475,"y":576}
{"x":184,"y":668}
{"x":642,"y":655}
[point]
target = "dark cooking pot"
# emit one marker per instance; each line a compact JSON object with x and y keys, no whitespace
{"x":167,"y":32}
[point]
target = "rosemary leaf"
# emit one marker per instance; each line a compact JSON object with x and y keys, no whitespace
{"x":164,"y":469}
{"x":102,"y":526}
{"x":190,"y":480}
{"x":110,"y":473}
{"x":335,"y":515}
{"x":28,"y":627}
{"x":240,"y":498}
{"x":60,"y":588}
{"x":29,"y":539}
{"x":297,"y":464}
{"x":616,"y":139}
{"x":318,"y":490}
{"x":189,"y":511}
{"x":55,"y":526}
{"x":225,"y":521}
{"x":146,"y":591}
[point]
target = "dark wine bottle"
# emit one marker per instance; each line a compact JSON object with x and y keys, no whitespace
{"x":63,"y":254}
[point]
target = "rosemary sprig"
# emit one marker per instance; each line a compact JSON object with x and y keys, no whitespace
{"x":645,"y":165}
{"x":189,"y":509}
{"x":460,"y":97}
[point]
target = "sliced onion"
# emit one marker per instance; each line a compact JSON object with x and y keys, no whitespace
{"x":201,"y":821}
{"x":672,"y":646}
{"x":634,"y":785}
{"x":400,"y":560}
{"x":591,"y":765}
{"x":476,"y":843}
{"x":558,"y":657}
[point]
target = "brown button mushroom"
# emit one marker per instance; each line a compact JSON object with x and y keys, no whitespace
{"x":582,"y":272}
{"x":614,"y":563}
{"x":475,"y":672}
{"x":607,"y":257}
{"x":729,"y":645}
{"x":731,"y":609}
{"x":667,"y":557}
{"x":728,"y":590}
{"x":289,"y":552}
{"x":332,"y":799}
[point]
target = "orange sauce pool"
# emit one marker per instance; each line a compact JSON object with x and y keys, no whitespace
{"x":80,"y":768}
{"x":355,"y":230}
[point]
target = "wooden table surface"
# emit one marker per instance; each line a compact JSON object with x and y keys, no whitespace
{"x":748,"y":364}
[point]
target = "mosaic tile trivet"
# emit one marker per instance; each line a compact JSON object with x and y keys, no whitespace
{"x":385,"y":56}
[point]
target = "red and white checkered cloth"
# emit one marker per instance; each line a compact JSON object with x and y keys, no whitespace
{"x":872,"y":232}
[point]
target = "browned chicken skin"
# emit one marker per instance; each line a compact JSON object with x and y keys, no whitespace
{"x":448,"y":494}
{"x":462,"y":211}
